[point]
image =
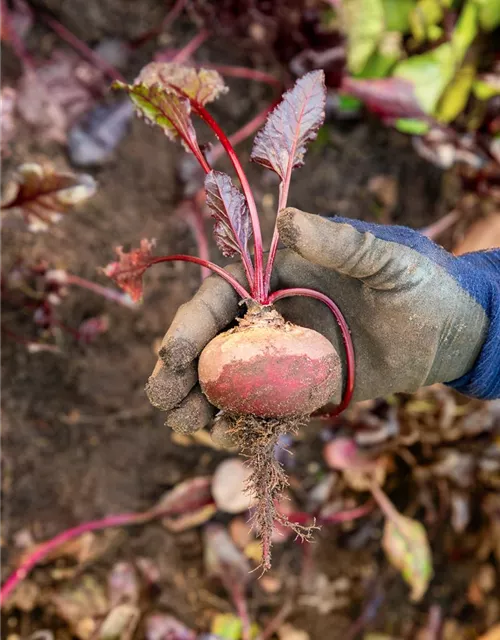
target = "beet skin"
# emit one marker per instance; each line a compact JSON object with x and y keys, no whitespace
{"x":269,"y":368}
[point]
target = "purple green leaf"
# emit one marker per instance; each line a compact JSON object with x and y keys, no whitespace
{"x":281,"y":144}
{"x":162,"y":94}
{"x":228,"y":207}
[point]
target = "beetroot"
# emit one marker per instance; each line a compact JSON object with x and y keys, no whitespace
{"x":266,"y":375}
{"x":269,"y":368}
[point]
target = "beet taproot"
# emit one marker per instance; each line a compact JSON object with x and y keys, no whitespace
{"x":270,"y":368}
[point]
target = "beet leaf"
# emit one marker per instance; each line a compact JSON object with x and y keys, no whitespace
{"x":228,"y":207}
{"x":162,"y":94}
{"x":281,"y":144}
{"x":128,"y":270}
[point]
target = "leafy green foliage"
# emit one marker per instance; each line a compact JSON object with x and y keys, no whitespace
{"x":363,"y":23}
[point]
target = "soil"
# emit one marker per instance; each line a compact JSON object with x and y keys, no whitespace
{"x":80,"y":439}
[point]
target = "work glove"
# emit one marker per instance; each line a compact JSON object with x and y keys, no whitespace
{"x":417,"y":314}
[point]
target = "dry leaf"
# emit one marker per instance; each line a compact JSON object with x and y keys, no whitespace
{"x":120,"y":623}
{"x":229,"y":486}
{"x":82,"y":605}
{"x":407,"y":548}
{"x":42,"y":195}
{"x":483,"y":234}
{"x":128,"y":270}
{"x":492,"y":634}
{"x":7,"y":121}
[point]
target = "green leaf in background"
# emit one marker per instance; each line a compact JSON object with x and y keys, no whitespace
{"x":412,"y":126}
{"x":363,"y":24}
{"x":397,"y":14}
{"x":426,"y":14}
{"x":465,"y":31}
{"x":486,"y":87}
{"x":489,"y":14}
{"x":227,"y":626}
{"x":381,"y":63}
{"x":456,"y":95}
{"x":433,"y":71}
{"x":430,"y":73}
{"x":407,"y":548}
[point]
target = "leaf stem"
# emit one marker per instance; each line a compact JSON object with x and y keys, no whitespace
{"x":346,"y":337}
{"x":45,"y":548}
{"x":105,"y":292}
{"x":389,"y":510}
{"x":241,"y":291}
{"x":258,"y":285}
{"x":80,"y":46}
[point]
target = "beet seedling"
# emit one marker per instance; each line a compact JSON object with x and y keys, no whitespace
{"x":267,"y":375}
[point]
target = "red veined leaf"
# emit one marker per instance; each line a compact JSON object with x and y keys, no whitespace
{"x":156,"y":97}
{"x":41,"y":194}
{"x":127,"y":272}
{"x":203,"y":85}
{"x":229,"y":209}
{"x":390,"y":98}
{"x":281,"y":144}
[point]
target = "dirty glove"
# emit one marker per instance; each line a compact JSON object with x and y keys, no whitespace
{"x":418,"y":315}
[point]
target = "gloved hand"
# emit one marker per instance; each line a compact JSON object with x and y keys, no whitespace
{"x":418,"y":315}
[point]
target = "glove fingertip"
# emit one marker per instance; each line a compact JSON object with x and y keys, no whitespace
{"x":192,"y":414}
{"x":166,"y":388}
{"x":288,"y":228}
{"x":177,"y":353}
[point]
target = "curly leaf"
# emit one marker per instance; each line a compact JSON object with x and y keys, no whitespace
{"x":128,"y":270}
{"x":281,"y":144}
{"x":203,"y":85}
{"x":162,"y":93}
{"x":229,"y":208}
{"x":407,"y":548}
{"x":42,"y":195}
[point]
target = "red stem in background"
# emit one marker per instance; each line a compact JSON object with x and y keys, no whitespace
{"x":172,"y":15}
{"x":105,"y":292}
{"x":389,"y":510}
{"x":45,"y":548}
{"x":187,"y":50}
{"x":344,"y":329}
{"x":241,"y":291}
{"x":258,"y":285}
{"x":246,"y":73}
{"x":194,"y":218}
{"x":301,"y":517}
{"x":82,"y":48}
{"x":14,"y":39}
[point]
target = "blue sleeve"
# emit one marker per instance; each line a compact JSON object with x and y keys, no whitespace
{"x":483,"y":380}
{"x":478,"y":274}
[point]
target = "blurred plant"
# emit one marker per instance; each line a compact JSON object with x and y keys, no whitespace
{"x":41,"y":196}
